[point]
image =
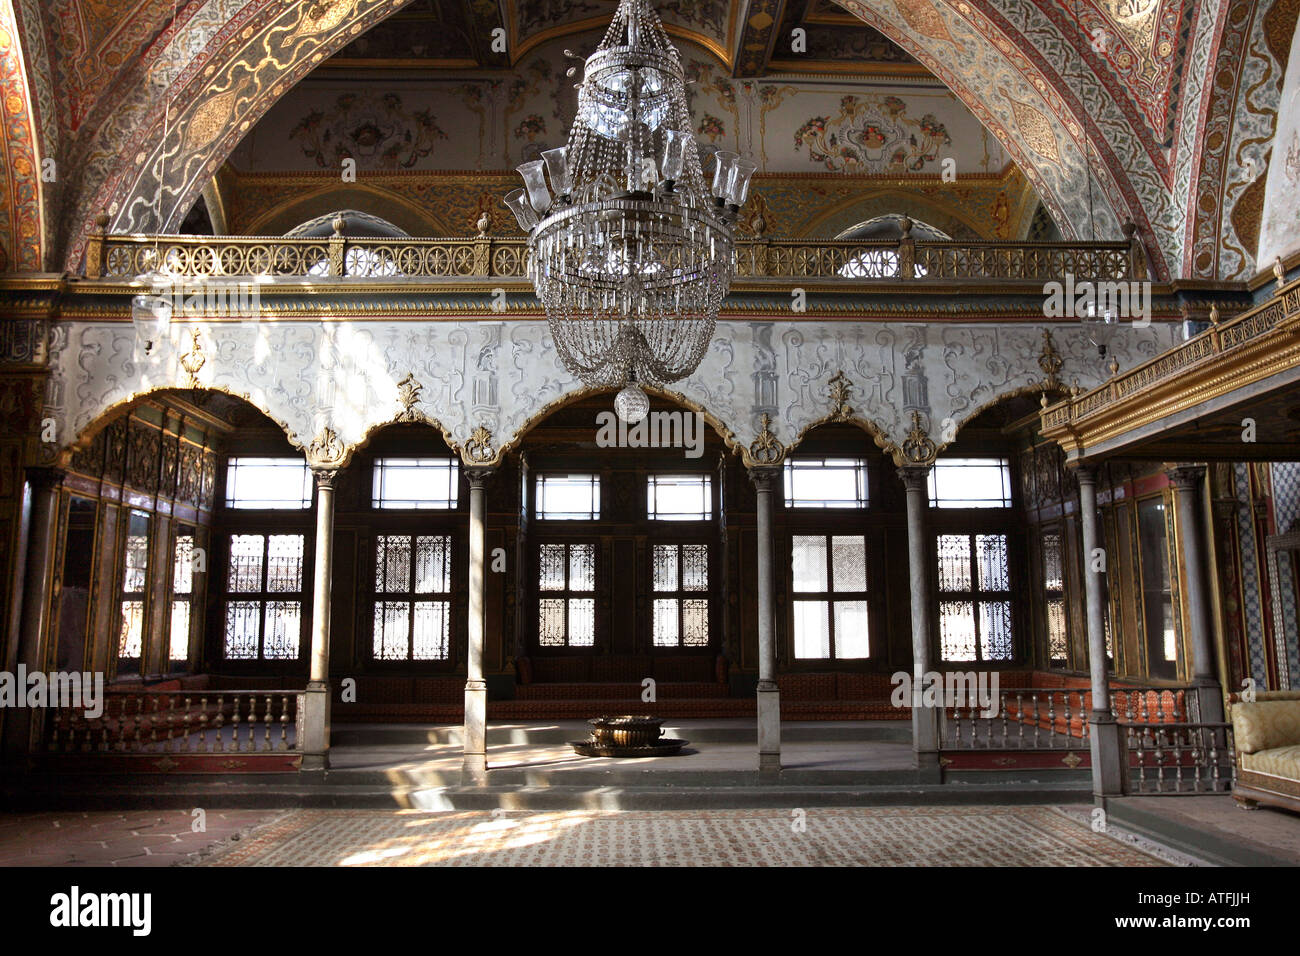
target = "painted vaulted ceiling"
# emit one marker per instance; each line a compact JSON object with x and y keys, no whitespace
{"x":1162,"y":112}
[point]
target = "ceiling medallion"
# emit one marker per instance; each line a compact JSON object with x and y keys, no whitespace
{"x":630,"y":250}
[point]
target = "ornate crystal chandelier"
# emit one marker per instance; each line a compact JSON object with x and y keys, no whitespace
{"x":630,"y":253}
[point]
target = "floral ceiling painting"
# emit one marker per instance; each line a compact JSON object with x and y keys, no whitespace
{"x":873,"y":134}
{"x":377,"y":131}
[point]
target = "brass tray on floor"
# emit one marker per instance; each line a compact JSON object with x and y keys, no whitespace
{"x":660,"y":748}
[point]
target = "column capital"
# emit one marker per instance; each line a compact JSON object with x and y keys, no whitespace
{"x":325,"y":477}
{"x":42,"y":477}
{"x":1185,"y":475}
{"x":914,"y":477}
{"x":763,"y":476}
{"x":478,"y":475}
{"x":1085,"y":472}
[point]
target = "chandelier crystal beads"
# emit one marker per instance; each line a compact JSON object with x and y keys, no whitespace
{"x":630,"y":250}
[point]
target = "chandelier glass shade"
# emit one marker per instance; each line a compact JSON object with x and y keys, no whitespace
{"x":630,"y":250}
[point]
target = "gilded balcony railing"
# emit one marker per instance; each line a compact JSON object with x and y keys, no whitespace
{"x":1282,"y":310}
{"x":489,"y":257}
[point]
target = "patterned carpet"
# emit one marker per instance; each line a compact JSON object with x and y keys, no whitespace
{"x":878,"y":836}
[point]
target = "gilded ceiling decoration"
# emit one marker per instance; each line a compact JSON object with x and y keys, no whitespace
{"x":1178,"y":100}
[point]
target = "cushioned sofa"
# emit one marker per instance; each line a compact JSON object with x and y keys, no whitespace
{"x":1267,"y":737}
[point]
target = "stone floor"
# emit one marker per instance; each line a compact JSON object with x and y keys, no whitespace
{"x":879,"y":836}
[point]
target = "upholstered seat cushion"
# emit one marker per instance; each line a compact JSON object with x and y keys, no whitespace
{"x":1280,"y":762}
{"x":1266,"y":725}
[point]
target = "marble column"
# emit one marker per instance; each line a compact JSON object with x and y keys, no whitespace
{"x":1107,"y":769}
{"x":769,"y":697}
{"x":474,"y":765}
{"x":22,"y":724}
{"x":1188,"y":481}
{"x":315,"y":724}
{"x":925,"y":723}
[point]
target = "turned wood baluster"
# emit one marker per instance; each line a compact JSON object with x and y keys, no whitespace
{"x":266,"y":720}
{"x":204,"y":743}
{"x":1020,"y":719}
{"x":1037,"y":718}
{"x":185,"y":743}
{"x":1051,"y":718}
{"x":284,"y":722}
{"x":219,"y":723}
{"x":1002,"y":709}
{"x":234,"y":724}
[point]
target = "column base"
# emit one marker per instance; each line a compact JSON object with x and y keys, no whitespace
{"x":925,"y":729}
{"x":314,"y":724}
{"x":1209,"y":699}
{"x":769,"y":727}
{"x":473,"y":771}
{"x":1107,"y":752}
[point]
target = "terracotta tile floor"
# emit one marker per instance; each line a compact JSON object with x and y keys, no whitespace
{"x":110,"y":838}
{"x":882,"y":836}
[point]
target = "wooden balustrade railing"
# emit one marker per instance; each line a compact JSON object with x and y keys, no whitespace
{"x":1154,"y":705}
{"x":490,"y":257}
{"x":195,"y":722}
{"x":1178,"y":758}
{"x":1028,"y":718}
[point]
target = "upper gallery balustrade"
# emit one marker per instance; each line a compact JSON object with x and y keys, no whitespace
{"x":489,"y":257}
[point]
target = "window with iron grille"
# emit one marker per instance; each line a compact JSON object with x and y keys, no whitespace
{"x":183,"y":570}
{"x":412,"y":617}
{"x":566,"y":602}
{"x":264,"y":597}
{"x":974,"y":598}
{"x":1058,"y":638}
{"x":829,"y":597}
{"x":135,"y":575}
{"x":680,"y":588}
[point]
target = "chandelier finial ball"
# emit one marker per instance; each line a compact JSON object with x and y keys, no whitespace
{"x":631,"y":404}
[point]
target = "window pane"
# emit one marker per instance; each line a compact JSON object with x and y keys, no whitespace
{"x":284,"y":567}
{"x":568,"y":497}
{"x":416,"y":483}
{"x":432,"y":564}
{"x":808,"y":562}
{"x":136,"y":566}
{"x":851,"y":639}
{"x":183,"y":565}
{"x":679,"y":497}
{"x":1056,"y":635}
{"x":392,"y":564}
{"x":812,"y":633}
{"x":695,"y":567}
{"x":391,"y":625}
{"x":245,"y":562}
{"x":582,"y":567}
{"x":849,"y":562}
{"x":665,"y":629}
{"x":826,"y":483}
{"x":550,"y":574}
{"x":1053,"y":579}
{"x":695,"y":623}
{"x":957,"y":630}
{"x":131,"y":638}
{"x":995,"y":630}
{"x":991,"y":555}
{"x":179,"y":645}
{"x":665,"y":567}
{"x":971,"y":483}
{"x":268,"y":483}
{"x":954,"y":562}
{"x":550,"y":629}
{"x":582,"y":622}
{"x":283,"y":630}
{"x":432,"y":631}
{"x":242,"y":620}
